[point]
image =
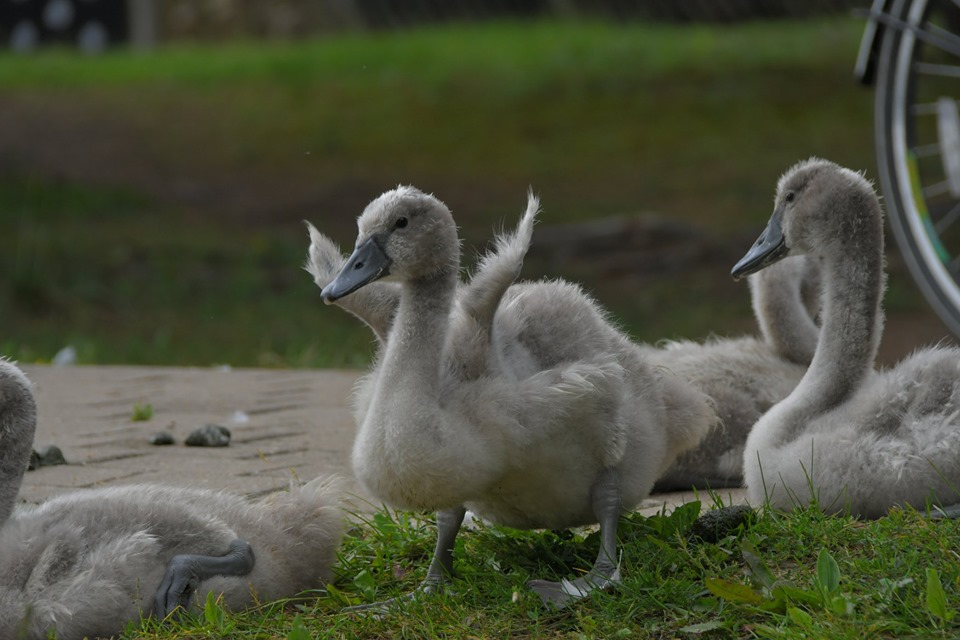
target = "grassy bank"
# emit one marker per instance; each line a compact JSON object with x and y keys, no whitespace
{"x":152,"y":203}
{"x":800,"y":575}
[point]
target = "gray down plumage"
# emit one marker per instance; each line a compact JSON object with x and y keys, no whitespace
{"x":89,"y":562}
{"x":850,"y":437}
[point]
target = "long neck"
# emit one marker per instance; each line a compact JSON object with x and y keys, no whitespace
{"x":785,"y":319}
{"x":18,"y":423}
{"x":412,"y":359}
{"x":852,"y":321}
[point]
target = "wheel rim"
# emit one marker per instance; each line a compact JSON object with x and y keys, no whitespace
{"x":924,"y":129}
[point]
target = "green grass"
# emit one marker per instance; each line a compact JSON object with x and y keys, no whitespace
{"x":156,"y":208}
{"x":513,"y":104}
{"x":796,"y":575}
{"x":108,"y":272}
{"x":505,"y":55}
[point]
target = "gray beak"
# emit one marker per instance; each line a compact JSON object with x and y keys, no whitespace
{"x":367,"y":263}
{"x":770,"y":247}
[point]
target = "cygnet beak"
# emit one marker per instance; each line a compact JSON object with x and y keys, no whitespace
{"x":367,"y":263}
{"x":770,"y":247}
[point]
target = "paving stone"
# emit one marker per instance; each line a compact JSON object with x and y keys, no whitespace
{"x":293,"y":423}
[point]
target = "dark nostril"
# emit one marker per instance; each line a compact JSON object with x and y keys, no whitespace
{"x":359,"y":265}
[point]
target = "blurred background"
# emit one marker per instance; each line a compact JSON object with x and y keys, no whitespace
{"x":158,"y":157}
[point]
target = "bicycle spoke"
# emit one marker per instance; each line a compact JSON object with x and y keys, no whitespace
{"x":923,"y":109}
{"x":942,"y":39}
{"x":919,"y":144}
{"x":954,"y":267}
{"x":942,"y":70}
{"x":928,"y":33}
{"x":938,"y":37}
{"x":936,"y":189}
{"x":926,"y":150}
{"x":948,"y":220}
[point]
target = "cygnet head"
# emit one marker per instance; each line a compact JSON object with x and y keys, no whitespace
{"x":820,"y":206}
{"x":405,"y":234}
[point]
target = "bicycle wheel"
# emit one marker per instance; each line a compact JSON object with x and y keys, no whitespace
{"x":917,"y":137}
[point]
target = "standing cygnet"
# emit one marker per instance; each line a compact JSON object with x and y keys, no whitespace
{"x":849,"y":437}
{"x":564,"y":425}
{"x":88,"y":563}
{"x":744,"y":376}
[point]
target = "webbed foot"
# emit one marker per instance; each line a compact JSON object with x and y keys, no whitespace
{"x":605,"y":496}
{"x":566,"y":592}
{"x":185,"y":572}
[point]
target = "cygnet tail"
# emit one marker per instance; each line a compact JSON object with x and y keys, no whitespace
{"x":499,"y":269}
{"x":313,"y":516}
{"x":324,"y":259}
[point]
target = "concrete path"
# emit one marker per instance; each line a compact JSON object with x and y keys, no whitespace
{"x":290,"y":421}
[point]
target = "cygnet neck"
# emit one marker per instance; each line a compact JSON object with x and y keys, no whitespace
{"x":852,"y":319}
{"x":415,"y":347}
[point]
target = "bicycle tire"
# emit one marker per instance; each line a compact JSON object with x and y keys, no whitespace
{"x":917,"y":140}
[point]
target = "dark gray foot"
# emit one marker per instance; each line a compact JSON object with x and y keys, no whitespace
{"x":185,"y":572}
{"x":441,"y":567}
{"x":560,"y":594}
{"x":605,"y":496}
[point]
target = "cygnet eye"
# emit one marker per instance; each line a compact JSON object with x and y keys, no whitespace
{"x":791,"y":196}
{"x":401,"y":223}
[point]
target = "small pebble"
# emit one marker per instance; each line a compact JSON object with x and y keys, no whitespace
{"x":210,"y":435}
{"x":49,"y":456}
{"x":162,"y":438}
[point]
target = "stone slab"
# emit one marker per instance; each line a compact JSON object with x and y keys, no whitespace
{"x":289,"y":422}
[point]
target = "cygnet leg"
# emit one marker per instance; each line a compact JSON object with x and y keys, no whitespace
{"x":441,"y":566}
{"x":605,"y":496}
{"x":185,"y":572}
